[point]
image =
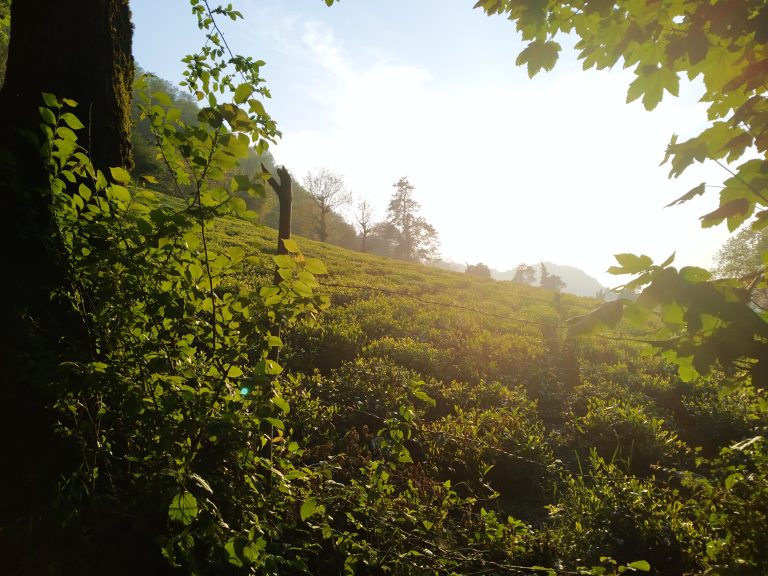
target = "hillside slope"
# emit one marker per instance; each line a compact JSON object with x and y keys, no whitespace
{"x":491,"y":395}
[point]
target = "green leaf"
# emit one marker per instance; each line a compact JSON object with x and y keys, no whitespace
{"x":539,"y":55}
{"x":315,"y":266}
{"x":236,"y":254}
{"x":690,"y":195}
{"x":650,"y":83}
{"x":280,"y":402}
{"x":732,"y":479}
{"x":668,"y":261}
{"x":607,"y":314}
{"x":290,"y":245}
{"x":119,"y":193}
{"x":404,"y":456}
{"x":183,"y":508}
{"x":162,"y":98}
{"x":72,"y":121}
{"x":738,"y":209}
{"x":285,"y":261}
{"x":120,"y":175}
{"x":242,"y":93}
{"x":630,"y":264}
{"x":424,"y":397}
{"x":47,"y":116}
{"x":308,"y":508}
{"x":641,"y":565}
{"x":275,"y":422}
{"x":274,"y":341}
{"x":66,"y":133}
{"x":268,"y":367}
{"x":257,"y":107}
{"x":50,"y":100}
{"x":231,"y":548}
{"x":695,"y":275}
{"x":144,"y":227}
{"x":685,"y":368}
{"x":240,"y":182}
{"x":301,"y":289}
{"x":252,"y":550}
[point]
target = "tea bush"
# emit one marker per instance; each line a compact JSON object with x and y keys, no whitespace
{"x":622,"y":431}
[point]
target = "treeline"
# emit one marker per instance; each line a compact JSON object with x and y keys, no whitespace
{"x":323,"y":208}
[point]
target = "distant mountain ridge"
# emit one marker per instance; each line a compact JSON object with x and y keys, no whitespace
{"x":577,"y":281}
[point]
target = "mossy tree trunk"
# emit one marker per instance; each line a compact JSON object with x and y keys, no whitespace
{"x":79,"y":50}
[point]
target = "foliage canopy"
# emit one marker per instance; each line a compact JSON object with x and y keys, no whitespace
{"x":722,"y":42}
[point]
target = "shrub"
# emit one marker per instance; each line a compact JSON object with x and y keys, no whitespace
{"x":322,"y":346}
{"x":502,"y":448}
{"x":607,"y":512}
{"x":407,"y":352}
{"x":619,"y":429}
{"x":729,"y":500}
{"x":717,"y":417}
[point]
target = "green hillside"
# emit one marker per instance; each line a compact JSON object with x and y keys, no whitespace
{"x":556,"y":449}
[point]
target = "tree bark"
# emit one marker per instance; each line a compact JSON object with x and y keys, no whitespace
{"x":284,"y":191}
{"x":283,"y":187}
{"x":79,"y":50}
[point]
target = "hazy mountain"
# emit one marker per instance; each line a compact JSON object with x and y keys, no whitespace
{"x":576,"y":280}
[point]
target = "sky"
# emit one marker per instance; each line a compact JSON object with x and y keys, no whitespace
{"x":508,"y":169}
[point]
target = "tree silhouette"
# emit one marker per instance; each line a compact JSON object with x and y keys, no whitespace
{"x":415,"y":239}
{"x":329,"y":194}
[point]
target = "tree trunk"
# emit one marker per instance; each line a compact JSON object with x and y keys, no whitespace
{"x":322,"y":229}
{"x":79,"y":50}
{"x":284,"y":191}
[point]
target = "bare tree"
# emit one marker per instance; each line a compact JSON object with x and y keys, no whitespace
{"x":329,"y":194}
{"x":364,"y":218}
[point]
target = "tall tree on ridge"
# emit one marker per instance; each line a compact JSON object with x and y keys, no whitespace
{"x":550,"y":281}
{"x":416,"y":239}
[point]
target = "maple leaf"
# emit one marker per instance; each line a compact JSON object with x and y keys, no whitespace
{"x":539,"y":54}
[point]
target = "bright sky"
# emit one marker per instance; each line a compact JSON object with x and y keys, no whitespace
{"x":508,"y":169}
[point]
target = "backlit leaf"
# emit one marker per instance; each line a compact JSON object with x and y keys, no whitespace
{"x":183,"y":508}
{"x":308,"y":508}
{"x":641,"y":565}
{"x":242,"y":93}
{"x":630,"y":264}
{"x":72,"y":121}
{"x":120,"y":175}
{"x":539,"y":55}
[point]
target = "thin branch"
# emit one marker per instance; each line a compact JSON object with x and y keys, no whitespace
{"x":740,"y":179}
